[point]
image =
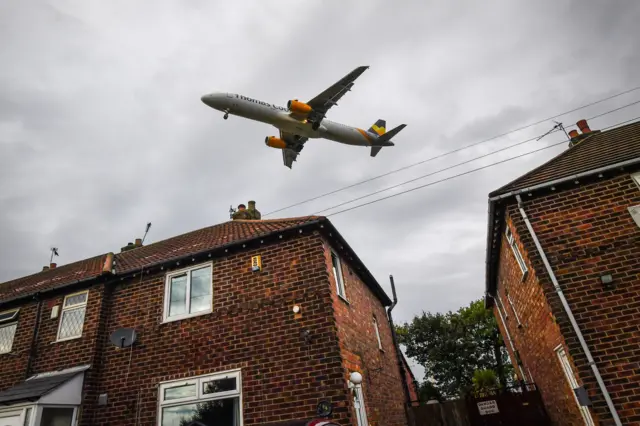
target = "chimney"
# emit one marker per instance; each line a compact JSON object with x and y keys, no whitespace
{"x":45,"y":268}
{"x":138,"y":242}
{"x":129,"y":246}
{"x":583,"y":126}
{"x":52,"y":266}
{"x":573,"y":134}
{"x":254,"y":214}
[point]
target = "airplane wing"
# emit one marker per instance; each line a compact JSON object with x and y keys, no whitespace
{"x":329,"y":97}
{"x":294,"y":146}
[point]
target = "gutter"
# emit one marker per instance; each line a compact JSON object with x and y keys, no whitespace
{"x":494,"y":199}
{"x":567,"y":309}
{"x":405,"y":387}
{"x":34,"y":337}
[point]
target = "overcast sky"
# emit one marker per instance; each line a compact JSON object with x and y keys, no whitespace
{"x":102,"y":128}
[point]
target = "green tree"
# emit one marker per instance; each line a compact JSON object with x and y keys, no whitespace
{"x":452,"y":346}
{"x":484,"y":380}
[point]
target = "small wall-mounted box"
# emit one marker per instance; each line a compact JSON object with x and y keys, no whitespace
{"x":54,"y":311}
{"x":256,"y":264}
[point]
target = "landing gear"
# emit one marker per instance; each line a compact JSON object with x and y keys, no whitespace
{"x":226,"y":114}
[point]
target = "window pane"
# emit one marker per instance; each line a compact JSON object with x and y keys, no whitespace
{"x":27,"y":416}
{"x":200,"y":290}
{"x":56,"y":416}
{"x":178,"y":295}
{"x":6,"y":337}
{"x":220,"y":385}
{"x":9,"y":315}
{"x":184,"y":391}
{"x":71,"y":323}
{"x":221,"y":412}
{"x":76,"y":299}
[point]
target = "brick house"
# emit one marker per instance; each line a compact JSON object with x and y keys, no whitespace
{"x":563,"y":277}
{"x":251,"y":321}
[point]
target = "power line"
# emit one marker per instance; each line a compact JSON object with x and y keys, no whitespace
{"x":467,"y":172}
{"x":556,"y":128}
{"x":450,"y":152}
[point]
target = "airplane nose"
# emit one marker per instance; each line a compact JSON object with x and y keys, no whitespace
{"x":214,"y":100}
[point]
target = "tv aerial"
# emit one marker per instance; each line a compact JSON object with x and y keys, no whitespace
{"x":123,"y":337}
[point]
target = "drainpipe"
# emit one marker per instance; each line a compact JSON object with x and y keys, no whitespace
{"x":405,"y":387}
{"x":567,"y":309}
{"x":34,"y":337}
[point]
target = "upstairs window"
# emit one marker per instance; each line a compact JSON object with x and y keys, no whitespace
{"x":337,"y":274}
{"x":72,"y":317}
{"x":516,"y":252}
{"x":188,"y":293}
{"x":8,"y":325}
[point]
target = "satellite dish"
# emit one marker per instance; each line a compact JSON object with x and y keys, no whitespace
{"x":123,"y":337}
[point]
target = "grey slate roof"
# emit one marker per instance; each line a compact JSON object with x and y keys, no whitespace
{"x":33,"y":389}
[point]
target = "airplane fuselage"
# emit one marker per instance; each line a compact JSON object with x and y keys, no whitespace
{"x":281,"y":118}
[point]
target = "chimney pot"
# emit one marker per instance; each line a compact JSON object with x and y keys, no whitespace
{"x":45,"y":268}
{"x":138,"y":242}
{"x":583,"y":126}
{"x":574,"y":134}
{"x":52,"y":265}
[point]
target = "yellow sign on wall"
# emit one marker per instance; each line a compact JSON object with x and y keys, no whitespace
{"x":256,"y":263}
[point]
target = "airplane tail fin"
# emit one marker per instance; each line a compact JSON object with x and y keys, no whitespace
{"x":378,"y":128}
{"x":384,"y":138}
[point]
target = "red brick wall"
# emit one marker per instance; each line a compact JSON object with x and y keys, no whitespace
{"x":537,"y":337}
{"x":252,"y":328}
{"x":382,"y":381}
{"x":587,"y":231}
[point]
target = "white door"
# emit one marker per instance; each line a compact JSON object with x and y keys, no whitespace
{"x":568,"y":372}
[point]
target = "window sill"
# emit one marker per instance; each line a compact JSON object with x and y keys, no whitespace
{"x":184,"y":317}
{"x":68,"y":339}
{"x":344,"y":299}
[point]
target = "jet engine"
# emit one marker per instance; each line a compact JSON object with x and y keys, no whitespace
{"x":274,"y":142}
{"x":298,"y":107}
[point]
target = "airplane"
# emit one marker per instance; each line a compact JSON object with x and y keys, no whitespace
{"x":300,"y":121}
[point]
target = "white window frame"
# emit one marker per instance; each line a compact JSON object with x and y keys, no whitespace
{"x":338,"y":275}
{"x":72,"y":307}
{"x":359,"y":405}
{"x":573,"y":383}
{"x":9,"y":322}
{"x":513,"y":307}
{"x":200,"y":396}
{"x":636,"y":177}
{"x":167,"y":293}
{"x":375,"y":326}
{"x":516,"y":252}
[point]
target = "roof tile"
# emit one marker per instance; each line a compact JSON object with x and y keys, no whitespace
{"x":204,"y":239}
{"x":59,"y":276}
{"x":599,"y":150}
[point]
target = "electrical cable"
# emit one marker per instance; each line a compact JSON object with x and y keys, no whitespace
{"x":467,"y":172}
{"x":465,"y":162}
{"x":451,"y":152}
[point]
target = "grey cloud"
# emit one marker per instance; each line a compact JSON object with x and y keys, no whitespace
{"x":102,"y":128}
